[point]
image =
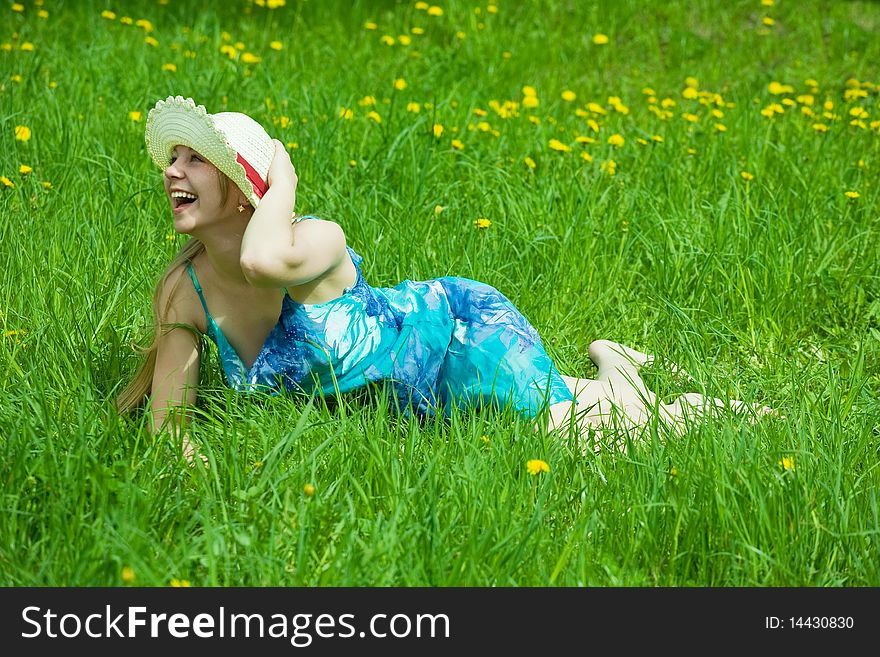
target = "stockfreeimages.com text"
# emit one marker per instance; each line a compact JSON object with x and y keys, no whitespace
{"x":300,"y":629}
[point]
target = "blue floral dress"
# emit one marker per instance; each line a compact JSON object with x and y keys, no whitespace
{"x":439,"y":343}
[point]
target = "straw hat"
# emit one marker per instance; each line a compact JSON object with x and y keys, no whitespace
{"x":232,"y":142}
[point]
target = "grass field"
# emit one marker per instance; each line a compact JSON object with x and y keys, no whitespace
{"x":701,"y":183}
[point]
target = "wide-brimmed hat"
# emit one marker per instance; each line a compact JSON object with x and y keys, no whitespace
{"x":233,"y":142}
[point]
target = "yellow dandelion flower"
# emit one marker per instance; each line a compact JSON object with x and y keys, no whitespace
{"x":352,"y":163}
{"x":657,"y":138}
{"x":457,"y":144}
{"x":135,"y":115}
{"x":648,"y":91}
{"x":434,"y":10}
{"x":534,"y":119}
{"x":673,"y":471}
{"x":250,"y":58}
{"x":530,"y":163}
{"x":666,"y":103}
{"x":820,"y":127}
{"x":367,"y":101}
{"x":169,"y":67}
{"x":690,"y":93}
{"x":582,"y":139}
{"x":417,"y":30}
{"x":404,"y":39}
{"x":483,"y":126}
{"x":787,"y":463}
{"x":387,"y":40}
{"x":126,"y":20}
{"x":276,"y":45}
{"x":43,"y":13}
{"x":27,"y":46}
{"x":692,"y":151}
{"x":692,"y":118}
{"x":17,"y":7}
{"x":151,"y":41}
{"x":536,"y":466}
{"x":6,"y":182}
{"x":146,"y":25}
{"x":309,"y":490}
{"x":374,"y":116}
{"x":852,"y":195}
{"x":557,"y":145}
{"x":529,"y":91}
{"x":777,"y":88}
{"x":769,"y":22}
{"x":421,"y":6}
{"x":720,"y":127}
{"x":586,"y":156}
{"x":596,"y":108}
{"x":46,"y":184}
{"x":415,"y":108}
{"x":127,"y":574}
{"x":530,"y":102}
{"x":745,"y":175}
{"x":806,"y":99}
{"x":22,"y":133}
{"x":438,"y":130}
{"x":370,"y":25}
{"x":400,"y":84}
{"x":568,"y":95}
{"x":109,"y":15}
{"x":717,"y":113}
{"x":767,"y":3}
{"x":593,"y":125}
{"x":600,"y":39}
{"x":239,"y":45}
{"x":485,"y":439}
{"x":179,"y":583}
{"x":642,"y":142}
{"x":345,"y":113}
{"x":25,"y":169}
{"x":482,"y":223}
{"x":609,"y":167}
{"x":616,"y":140}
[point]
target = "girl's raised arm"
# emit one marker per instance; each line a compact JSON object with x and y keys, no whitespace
{"x":270,"y":255}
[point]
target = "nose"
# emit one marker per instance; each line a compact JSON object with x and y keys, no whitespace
{"x":174,"y":170}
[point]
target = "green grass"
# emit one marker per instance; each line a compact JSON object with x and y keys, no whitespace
{"x":765,"y":290}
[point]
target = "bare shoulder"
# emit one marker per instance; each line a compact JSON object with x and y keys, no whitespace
{"x":179,"y":302}
{"x":322,"y":236}
{"x":324,"y":231}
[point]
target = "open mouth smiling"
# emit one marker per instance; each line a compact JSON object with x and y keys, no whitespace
{"x":181,"y":200}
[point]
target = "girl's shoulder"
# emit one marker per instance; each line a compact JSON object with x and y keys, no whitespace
{"x":178,"y":300}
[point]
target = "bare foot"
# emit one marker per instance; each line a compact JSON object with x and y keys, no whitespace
{"x":191,"y":455}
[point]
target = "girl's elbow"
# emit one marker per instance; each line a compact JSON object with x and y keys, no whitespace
{"x":262,"y":271}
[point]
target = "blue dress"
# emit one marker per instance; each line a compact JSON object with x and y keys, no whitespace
{"x":438,"y":343}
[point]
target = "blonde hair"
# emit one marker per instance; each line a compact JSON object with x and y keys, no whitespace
{"x":133,"y":394}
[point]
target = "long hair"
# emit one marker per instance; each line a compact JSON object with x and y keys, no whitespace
{"x":141,"y":384}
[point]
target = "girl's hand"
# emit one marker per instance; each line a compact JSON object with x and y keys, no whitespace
{"x":281,"y":169}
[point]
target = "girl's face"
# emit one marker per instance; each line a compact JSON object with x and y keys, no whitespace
{"x":193,"y":187}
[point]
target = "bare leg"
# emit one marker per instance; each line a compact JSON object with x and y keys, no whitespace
{"x":693,"y":407}
{"x":618,"y":398}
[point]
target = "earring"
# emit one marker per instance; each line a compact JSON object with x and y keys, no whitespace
{"x":240,"y":207}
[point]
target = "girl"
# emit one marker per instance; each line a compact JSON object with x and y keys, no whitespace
{"x":285,"y":301}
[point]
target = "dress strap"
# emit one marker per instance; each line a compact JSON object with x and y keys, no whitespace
{"x":192,"y":275}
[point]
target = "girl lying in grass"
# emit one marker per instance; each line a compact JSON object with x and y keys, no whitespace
{"x":285,"y":300}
